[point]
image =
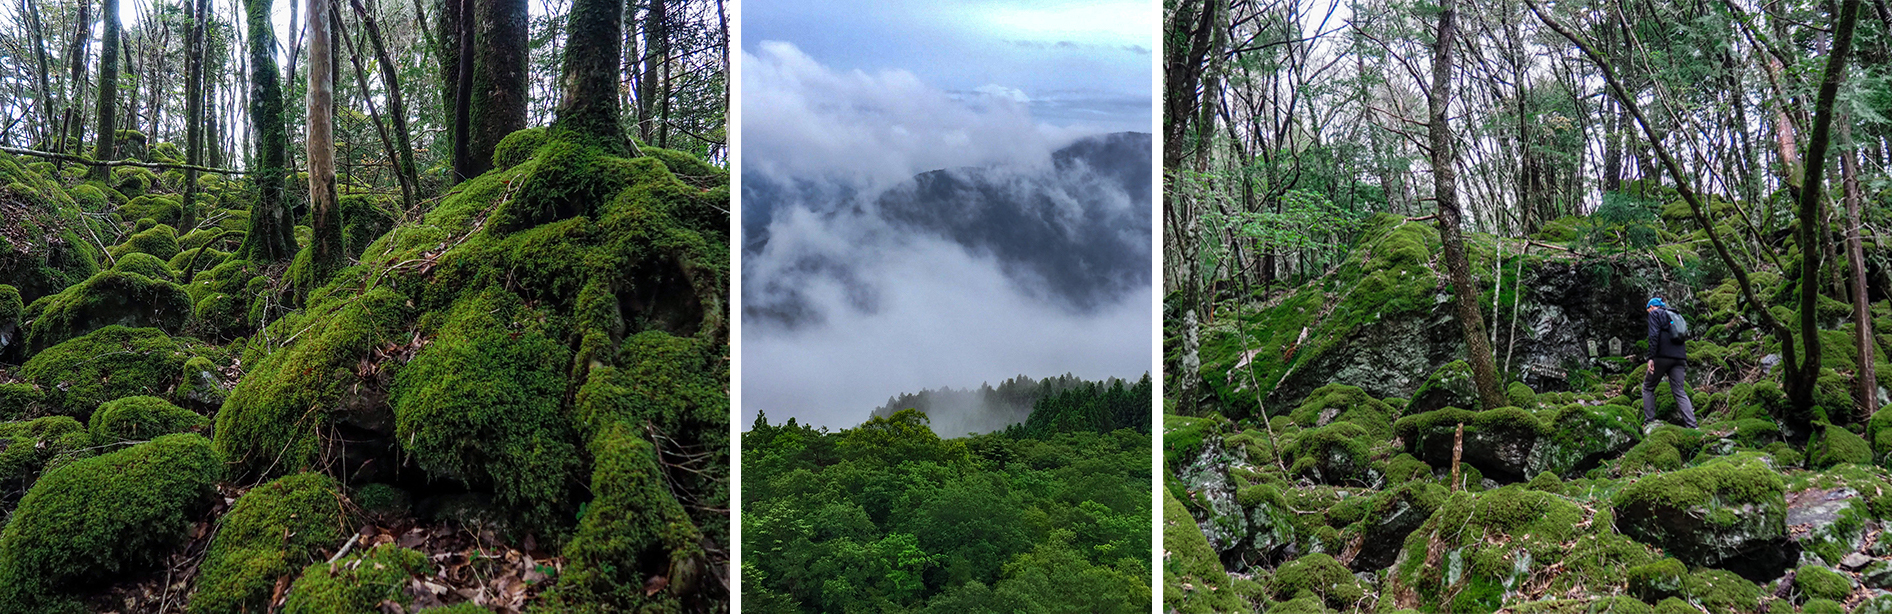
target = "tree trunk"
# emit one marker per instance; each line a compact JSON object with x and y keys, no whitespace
{"x":106,"y":149}
{"x":70,"y":135}
{"x":656,"y":48}
{"x":588,"y":107}
{"x":499,"y":79}
{"x":325,"y":223}
{"x":46,"y":106}
{"x":272,"y":228}
{"x":463,"y":95}
{"x":1810,"y":230}
{"x":397,"y":107}
{"x":1445,"y":191}
{"x":193,"y":113}
{"x":1865,"y":380}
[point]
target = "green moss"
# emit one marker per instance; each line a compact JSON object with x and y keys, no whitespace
{"x":1756,"y":432}
{"x":39,"y":444}
{"x":108,"y":363}
{"x":133,"y":181}
{"x":1546,"y":482}
{"x":89,"y":197}
{"x":10,"y":309}
{"x":1476,"y":545}
{"x":1333,"y":454}
{"x":1520,"y":395}
{"x":1657,"y":581}
{"x":141,"y":418}
{"x":268,"y":425}
{"x":688,"y":168}
{"x":519,"y":147}
{"x":1614,"y":604}
{"x":632,"y":529}
{"x":1705,"y":514}
{"x":1822,"y":606}
{"x":481,"y":404}
{"x":1837,"y":445}
{"x":357,"y":583}
{"x":1498,"y":441}
{"x":1720,"y":590}
{"x":382,"y":500}
{"x":1404,"y":468}
{"x":1818,"y":582}
{"x":365,"y":217}
{"x":104,"y":517}
{"x":1580,"y":437}
{"x":18,"y":400}
{"x":108,"y":298}
{"x":1343,"y":403}
{"x":1448,"y":386}
{"x":1321,"y":576}
{"x":160,"y":241}
{"x":146,"y":265}
{"x":1664,"y":449}
{"x":272,"y":531}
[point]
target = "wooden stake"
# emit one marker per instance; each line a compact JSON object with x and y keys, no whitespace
{"x":1458,"y":451}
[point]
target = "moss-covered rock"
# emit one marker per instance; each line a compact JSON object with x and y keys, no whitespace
{"x":1318,"y":575}
{"x":1615,"y":604}
{"x":1388,"y":517}
{"x":1666,"y":448}
{"x":141,"y":418}
{"x":357,"y":583}
{"x":272,"y":531}
{"x":1520,"y":395}
{"x":35,"y":445}
{"x":102,"y":517}
{"x":365,"y":217}
{"x":10,"y":309}
{"x":1723,"y":592}
{"x":1657,"y":581}
{"x":1343,"y":403}
{"x":519,"y":147}
{"x":1822,"y":606}
{"x":108,"y":363}
{"x":1578,"y":438}
{"x":160,"y":241}
{"x":1498,"y":442}
{"x":105,"y":299}
{"x":1334,"y":454}
{"x":1449,"y":386}
{"x":1834,"y":445}
{"x":1816,"y":582}
{"x":1719,"y":514}
{"x":133,"y":181}
{"x":146,"y":265}
{"x":18,"y":400}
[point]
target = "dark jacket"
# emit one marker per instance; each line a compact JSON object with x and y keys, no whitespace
{"x":1661,"y":341}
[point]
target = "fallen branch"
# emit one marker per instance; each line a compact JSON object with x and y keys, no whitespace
{"x":72,"y":158}
{"x":345,"y":547}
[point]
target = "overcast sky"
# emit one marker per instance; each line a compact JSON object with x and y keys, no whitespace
{"x":842,"y":101}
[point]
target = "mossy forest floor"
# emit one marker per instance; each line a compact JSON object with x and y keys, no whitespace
{"x":512,"y":397}
{"x":1309,"y":468}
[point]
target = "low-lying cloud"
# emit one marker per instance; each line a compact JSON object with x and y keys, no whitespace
{"x":862,"y":281}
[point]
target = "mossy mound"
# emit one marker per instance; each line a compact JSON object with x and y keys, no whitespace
{"x":1477,"y":548}
{"x":519,"y":147}
{"x":232,"y":299}
{"x":1713,"y":515}
{"x":633,"y":529}
{"x":1498,"y":442}
{"x":357,"y":583}
{"x":1722,"y":592}
{"x":1657,"y":581}
{"x":1578,"y":438}
{"x":1666,"y":448}
{"x":133,"y":181}
{"x":160,"y":241}
{"x":365,"y":217}
{"x":146,"y":265}
{"x":1334,"y":454}
{"x":1834,"y":445}
{"x":106,"y":299}
{"x":103,"y":517}
{"x":35,"y":445}
{"x":11,"y":307}
{"x":1520,"y":395}
{"x":272,"y":531}
{"x":1343,"y":403}
{"x":1193,"y":579}
{"x":108,"y":363}
{"x":141,"y":418}
{"x":20,"y":399}
{"x":1318,"y":575}
{"x":1449,"y":386}
{"x":1816,"y":582}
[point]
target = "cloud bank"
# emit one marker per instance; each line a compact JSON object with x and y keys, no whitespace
{"x":900,"y":237}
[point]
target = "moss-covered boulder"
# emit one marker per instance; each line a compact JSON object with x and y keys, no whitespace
{"x":1318,"y":575}
{"x":272,"y":531}
{"x":1657,"y":581}
{"x":146,"y":265}
{"x":1578,"y":438}
{"x":108,"y":363}
{"x":1343,"y":403}
{"x":133,"y":181}
{"x":1816,"y":582}
{"x":106,"y":299}
{"x":1720,"y":591}
{"x":32,"y":446}
{"x":10,"y":309}
{"x":1449,"y":386}
{"x":141,"y":418}
{"x":365,"y":217}
{"x":18,"y":400}
{"x":358,"y":582}
{"x":1388,"y":518}
{"x":1478,"y":548}
{"x":1337,"y":454}
{"x":1728,"y":514}
{"x":1666,"y":448}
{"x":519,"y":147}
{"x":1193,"y":578}
{"x":1834,"y":444}
{"x":1498,"y":442}
{"x":160,"y":241}
{"x":102,"y":518}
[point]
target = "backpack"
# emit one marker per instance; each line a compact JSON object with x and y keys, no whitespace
{"x":1678,"y":328}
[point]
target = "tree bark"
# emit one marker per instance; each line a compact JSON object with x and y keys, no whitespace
{"x":588,"y":107}
{"x":69,"y":131}
{"x":463,"y":95}
{"x":106,"y":148}
{"x":193,"y":113}
{"x":656,"y":48}
{"x":397,"y":107}
{"x":272,"y":227}
{"x":498,"y":107}
{"x":325,"y":224}
{"x":1445,"y":191}
{"x":1810,"y":231}
{"x":1865,"y":380}
{"x":46,"y":106}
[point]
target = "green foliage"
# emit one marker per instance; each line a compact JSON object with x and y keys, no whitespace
{"x":141,"y":418}
{"x":104,"y":517}
{"x":1091,"y":407}
{"x":109,"y":363}
{"x":272,"y":531}
{"x":357,"y":583}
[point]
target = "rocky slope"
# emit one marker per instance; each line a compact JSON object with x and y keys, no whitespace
{"x":514,"y":398}
{"x":1313,"y":470}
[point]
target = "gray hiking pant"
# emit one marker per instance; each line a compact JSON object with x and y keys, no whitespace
{"x":1675,"y":369}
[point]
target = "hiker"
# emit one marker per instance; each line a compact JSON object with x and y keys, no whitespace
{"x":1667,"y":357}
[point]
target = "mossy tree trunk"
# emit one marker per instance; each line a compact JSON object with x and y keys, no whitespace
{"x":498,"y":106}
{"x":588,"y":108}
{"x":325,"y":224}
{"x":108,"y":91}
{"x":272,"y":229}
{"x":1445,"y":191}
{"x":193,"y":113}
{"x":656,"y":50}
{"x":1811,"y":232}
{"x":69,"y":133}
{"x":1865,"y":380}
{"x":463,"y":93}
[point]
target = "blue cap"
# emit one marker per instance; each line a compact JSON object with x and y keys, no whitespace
{"x":1656,"y":302}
